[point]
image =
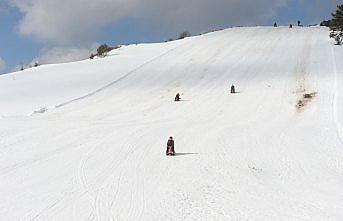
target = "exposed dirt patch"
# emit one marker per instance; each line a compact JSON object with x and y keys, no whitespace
{"x":304,"y":94}
{"x":305,"y":100}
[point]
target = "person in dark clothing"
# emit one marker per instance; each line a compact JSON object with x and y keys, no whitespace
{"x":299,"y":23}
{"x":233,"y":90}
{"x":275,"y":25}
{"x":170,"y":147}
{"x":290,"y":26}
{"x":177,"y":97}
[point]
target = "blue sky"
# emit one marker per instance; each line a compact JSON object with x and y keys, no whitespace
{"x":15,"y":49}
{"x":48,"y":32}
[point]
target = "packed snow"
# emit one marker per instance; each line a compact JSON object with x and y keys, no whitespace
{"x":86,"y":140}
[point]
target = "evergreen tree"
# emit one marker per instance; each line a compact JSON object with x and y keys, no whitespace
{"x":336,"y":25}
{"x":103,"y":49}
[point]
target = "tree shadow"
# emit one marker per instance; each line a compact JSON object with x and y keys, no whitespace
{"x":184,"y":154}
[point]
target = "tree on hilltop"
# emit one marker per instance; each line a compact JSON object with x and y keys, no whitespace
{"x":336,"y":25}
{"x":103,"y":50}
{"x":184,"y":34}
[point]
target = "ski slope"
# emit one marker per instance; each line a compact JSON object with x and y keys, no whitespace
{"x":86,"y":140}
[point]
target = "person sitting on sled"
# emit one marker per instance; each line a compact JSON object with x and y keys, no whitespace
{"x":233,"y":90}
{"x":170,"y":146}
{"x":177,"y":97}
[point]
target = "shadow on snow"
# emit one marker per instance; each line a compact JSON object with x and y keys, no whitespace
{"x":183,"y":154}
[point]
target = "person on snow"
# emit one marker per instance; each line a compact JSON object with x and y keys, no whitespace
{"x":233,"y":90}
{"x":177,"y":97}
{"x":275,"y":24}
{"x":290,"y":26}
{"x":170,"y":147}
{"x":299,"y":23}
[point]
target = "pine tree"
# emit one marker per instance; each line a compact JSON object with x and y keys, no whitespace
{"x":103,"y":49}
{"x":336,"y":25}
{"x":337,"y":19}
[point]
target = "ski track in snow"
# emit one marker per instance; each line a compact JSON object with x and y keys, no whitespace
{"x":338,"y":124}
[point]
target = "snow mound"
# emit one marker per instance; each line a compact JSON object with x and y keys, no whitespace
{"x":40,"y":110}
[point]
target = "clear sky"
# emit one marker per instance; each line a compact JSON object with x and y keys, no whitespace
{"x":53,"y":31}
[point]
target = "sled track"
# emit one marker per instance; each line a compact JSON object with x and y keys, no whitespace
{"x":104,"y":189}
{"x":119,"y":79}
{"x":339,"y":127}
{"x":136,"y":181}
{"x":97,"y":192}
{"x":84,"y":189}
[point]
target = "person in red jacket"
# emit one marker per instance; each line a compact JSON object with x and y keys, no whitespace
{"x":170,"y":146}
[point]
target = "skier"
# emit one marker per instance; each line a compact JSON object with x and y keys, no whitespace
{"x":177,"y":97}
{"x":233,"y":90}
{"x":290,"y":26}
{"x":170,"y":147}
{"x":275,"y":25}
{"x":299,"y":23}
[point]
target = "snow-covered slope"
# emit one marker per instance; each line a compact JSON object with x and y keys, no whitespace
{"x":97,"y":153}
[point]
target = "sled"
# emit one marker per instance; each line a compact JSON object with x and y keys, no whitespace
{"x":170,"y":151}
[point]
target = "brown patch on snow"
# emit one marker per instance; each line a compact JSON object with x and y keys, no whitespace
{"x":305,"y":100}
